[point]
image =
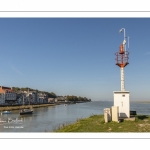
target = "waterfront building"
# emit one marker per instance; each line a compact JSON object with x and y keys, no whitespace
{"x":32,"y":97}
{"x":56,"y":100}
{"x":61,"y":99}
{"x":22,"y":97}
{"x":19,"y":97}
{"x":7,"y":95}
{"x":2,"y":98}
{"x":51,"y":100}
{"x":42,"y":98}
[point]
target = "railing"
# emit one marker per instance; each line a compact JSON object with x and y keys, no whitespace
{"x":122,"y":58}
{"x":133,"y":113}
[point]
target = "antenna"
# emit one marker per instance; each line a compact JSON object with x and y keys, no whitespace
{"x":122,"y":58}
{"x":121,"y":98}
{"x":128,"y":42}
{"x":124,"y":40}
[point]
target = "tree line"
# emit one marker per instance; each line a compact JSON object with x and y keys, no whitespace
{"x":49,"y":94}
{"x":76,"y":98}
{"x":52,"y":94}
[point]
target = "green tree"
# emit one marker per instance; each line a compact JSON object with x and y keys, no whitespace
{"x":51,"y":95}
{"x":15,"y":89}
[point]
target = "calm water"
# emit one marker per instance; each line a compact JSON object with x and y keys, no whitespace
{"x":50,"y":118}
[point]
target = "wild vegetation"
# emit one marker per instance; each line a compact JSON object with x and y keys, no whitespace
{"x":96,"y":123}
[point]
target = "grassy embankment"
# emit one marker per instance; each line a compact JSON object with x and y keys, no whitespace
{"x":10,"y":108}
{"x":96,"y":123}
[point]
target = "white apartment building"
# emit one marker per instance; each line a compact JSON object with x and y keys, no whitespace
{"x":42,"y":98}
{"x":7,"y":95}
{"x":2,"y":98}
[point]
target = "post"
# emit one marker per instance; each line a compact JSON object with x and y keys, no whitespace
{"x":122,"y":78}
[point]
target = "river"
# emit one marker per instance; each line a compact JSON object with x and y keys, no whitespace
{"x":47,"y":119}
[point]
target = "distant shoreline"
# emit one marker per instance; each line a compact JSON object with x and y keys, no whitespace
{"x":10,"y":108}
{"x":140,"y":101}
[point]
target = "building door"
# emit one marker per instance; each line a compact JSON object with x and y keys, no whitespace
{"x":124,"y":106}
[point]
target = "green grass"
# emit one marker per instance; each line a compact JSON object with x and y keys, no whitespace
{"x":96,"y":123}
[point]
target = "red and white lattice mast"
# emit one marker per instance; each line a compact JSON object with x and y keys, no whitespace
{"x":122,"y":59}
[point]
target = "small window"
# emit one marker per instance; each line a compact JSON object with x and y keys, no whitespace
{"x":123,"y":95}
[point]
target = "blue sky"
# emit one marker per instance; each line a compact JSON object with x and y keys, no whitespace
{"x":75,"y":56}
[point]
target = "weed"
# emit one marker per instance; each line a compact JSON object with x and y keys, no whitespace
{"x":96,"y":123}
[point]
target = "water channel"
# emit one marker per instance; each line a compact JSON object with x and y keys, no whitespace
{"x":47,"y":119}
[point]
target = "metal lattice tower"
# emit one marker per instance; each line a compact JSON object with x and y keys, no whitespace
{"x":122,"y":59}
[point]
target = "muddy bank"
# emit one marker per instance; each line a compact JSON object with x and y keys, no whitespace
{"x":10,"y":108}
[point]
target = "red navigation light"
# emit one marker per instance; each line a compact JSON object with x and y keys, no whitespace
{"x":122,"y":57}
{"x":121,"y":49}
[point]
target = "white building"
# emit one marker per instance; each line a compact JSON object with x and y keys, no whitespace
{"x":7,"y":95}
{"x":2,"y":98}
{"x":122,"y":100}
{"x":51,"y":100}
{"x":42,"y":98}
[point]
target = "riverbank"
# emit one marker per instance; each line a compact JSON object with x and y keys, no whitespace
{"x":96,"y":123}
{"x":140,"y":101}
{"x":17,"y":107}
{"x":10,"y":108}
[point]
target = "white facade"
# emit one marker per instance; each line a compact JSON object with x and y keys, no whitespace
{"x":51,"y":100}
{"x":122,"y":100}
{"x":42,"y":98}
{"x":30,"y":97}
{"x":10,"y":96}
{"x":2,"y":98}
{"x":19,"y":100}
{"x":56,"y":100}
